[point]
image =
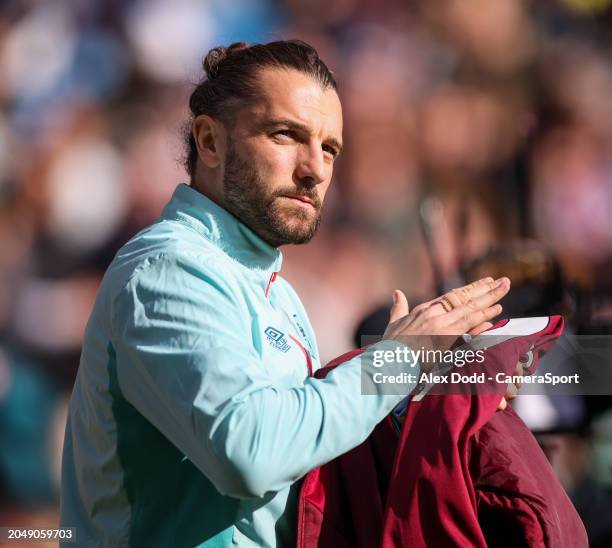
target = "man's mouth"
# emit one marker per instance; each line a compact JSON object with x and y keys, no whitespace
{"x":302,"y":200}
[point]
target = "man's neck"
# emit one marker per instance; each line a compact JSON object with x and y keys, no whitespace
{"x":209,"y":191}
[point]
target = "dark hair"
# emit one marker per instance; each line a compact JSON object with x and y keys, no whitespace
{"x":230,"y":80}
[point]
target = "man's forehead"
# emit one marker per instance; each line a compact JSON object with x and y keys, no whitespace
{"x":287,"y":93}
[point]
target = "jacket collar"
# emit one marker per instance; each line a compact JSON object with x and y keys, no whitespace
{"x":224,"y":230}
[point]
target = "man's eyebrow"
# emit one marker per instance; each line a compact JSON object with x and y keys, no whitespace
{"x":302,"y":128}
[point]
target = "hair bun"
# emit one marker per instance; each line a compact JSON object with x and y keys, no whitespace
{"x":217,"y":55}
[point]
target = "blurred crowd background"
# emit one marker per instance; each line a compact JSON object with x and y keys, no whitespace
{"x":478,"y":140}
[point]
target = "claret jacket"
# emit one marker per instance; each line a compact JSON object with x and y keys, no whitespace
{"x":447,"y":470}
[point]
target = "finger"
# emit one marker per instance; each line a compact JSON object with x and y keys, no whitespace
{"x":481,"y":303}
{"x":480,"y":328}
{"x":495,"y":292}
{"x":519,"y":373}
{"x":502,"y":404}
{"x":472,"y":319}
{"x":511,"y":391}
{"x":474,"y":289}
{"x":400,"y":306}
{"x":459,"y":296}
{"x":462,"y":295}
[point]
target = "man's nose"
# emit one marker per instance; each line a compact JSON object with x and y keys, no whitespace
{"x":311,"y":168}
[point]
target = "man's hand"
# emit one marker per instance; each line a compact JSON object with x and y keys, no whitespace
{"x":466,"y":309}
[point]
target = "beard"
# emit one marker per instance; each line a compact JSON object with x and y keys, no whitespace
{"x":266,"y":213}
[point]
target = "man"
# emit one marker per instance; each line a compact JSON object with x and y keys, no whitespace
{"x":194,"y":413}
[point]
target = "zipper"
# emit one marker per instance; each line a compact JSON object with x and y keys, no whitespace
{"x":270,"y":282}
{"x":300,"y":345}
{"x":306,"y":354}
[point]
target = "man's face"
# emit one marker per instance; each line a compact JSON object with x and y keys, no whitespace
{"x":280,"y":155}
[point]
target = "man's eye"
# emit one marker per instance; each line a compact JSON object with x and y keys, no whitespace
{"x":283,"y":133}
{"x":331,"y":150}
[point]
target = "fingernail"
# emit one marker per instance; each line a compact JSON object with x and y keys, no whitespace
{"x":395,"y":297}
{"x":500,"y":283}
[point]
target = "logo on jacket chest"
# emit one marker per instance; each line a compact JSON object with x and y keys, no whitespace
{"x":277,"y":339}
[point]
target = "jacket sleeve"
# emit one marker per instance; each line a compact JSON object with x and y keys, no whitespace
{"x":185,"y":361}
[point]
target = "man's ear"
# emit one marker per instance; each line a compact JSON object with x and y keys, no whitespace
{"x":209,"y":135}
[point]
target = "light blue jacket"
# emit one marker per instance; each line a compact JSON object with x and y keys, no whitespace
{"x":193,"y":414}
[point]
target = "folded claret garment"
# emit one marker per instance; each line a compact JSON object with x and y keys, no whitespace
{"x":452,"y":471}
